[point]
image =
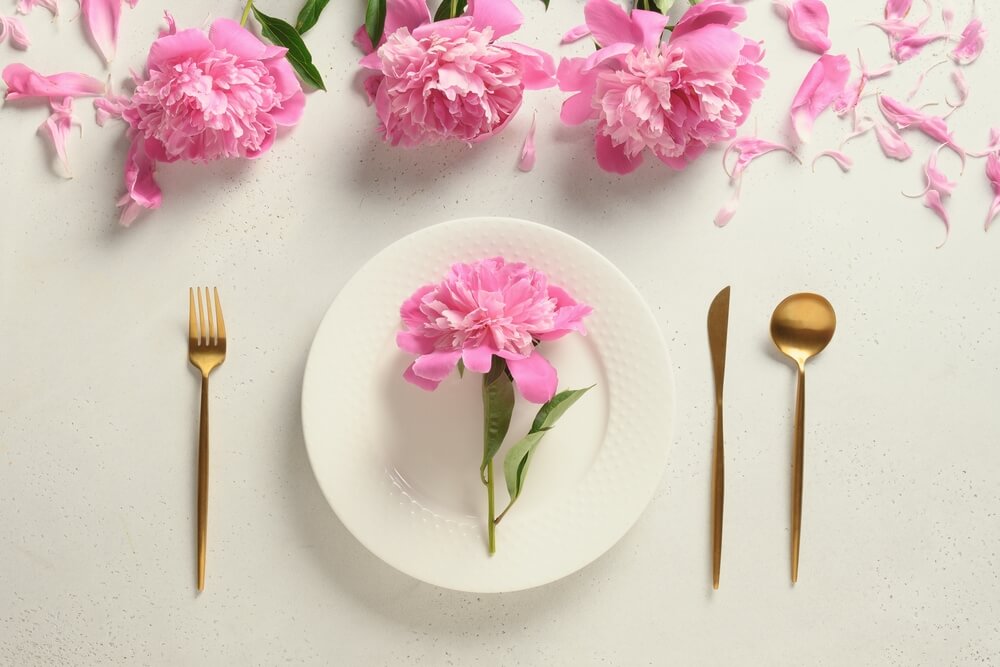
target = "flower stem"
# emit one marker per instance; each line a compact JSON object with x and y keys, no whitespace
{"x":246,"y":13}
{"x":491,"y":521}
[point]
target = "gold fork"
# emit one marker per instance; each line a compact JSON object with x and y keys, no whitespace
{"x":206,"y":350}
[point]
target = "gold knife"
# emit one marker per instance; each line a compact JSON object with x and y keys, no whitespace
{"x":718,"y":331}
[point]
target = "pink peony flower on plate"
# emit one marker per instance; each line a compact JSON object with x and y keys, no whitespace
{"x":450,"y":79}
{"x":672,"y":98}
{"x":485,"y":309}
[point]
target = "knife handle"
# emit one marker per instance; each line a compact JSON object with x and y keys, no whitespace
{"x":718,"y":492}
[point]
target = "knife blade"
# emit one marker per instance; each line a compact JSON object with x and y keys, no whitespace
{"x":718,"y":334}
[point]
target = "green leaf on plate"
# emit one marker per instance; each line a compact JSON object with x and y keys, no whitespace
{"x":449,"y":9}
{"x":375,"y":20}
{"x":309,"y":14}
{"x":283,"y":34}
{"x":518,"y":459}
{"x":498,"y":406}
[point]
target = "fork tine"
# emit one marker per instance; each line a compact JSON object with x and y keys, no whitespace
{"x":211,"y":320}
{"x":192,"y":318}
{"x":201,"y":320}
{"x":218,"y":316}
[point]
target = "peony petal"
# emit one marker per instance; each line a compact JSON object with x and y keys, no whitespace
{"x":23,"y":82}
{"x":414,"y":344}
{"x":893,"y":145}
{"x":101,"y":20}
{"x":920,"y":80}
{"x":608,"y":23}
{"x":109,"y":107}
{"x":823,"y":84}
{"x":709,"y":12}
{"x":903,"y":117}
{"x":437,"y":365}
{"x":843,"y":160}
{"x":971,"y":43}
{"x":808,"y":23}
{"x":714,"y":48}
{"x":933,"y":201}
{"x":142,"y":192}
{"x":25,"y":6}
{"x":538,"y":70}
{"x":423,"y":383}
{"x":57,"y":128}
{"x":908,"y":47}
{"x":186,"y":44}
{"x":478,"y":359}
{"x":613,"y":158}
{"x":500,"y":15}
{"x":575,"y":34}
{"x":534,"y":377}
{"x":749,"y":149}
{"x":362,"y":40}
{"x":234,"y":38}
{"x":963,"y":90}
{"x":648,"y":27}
{"x":13,"y":27}
{"x":527,"y":161}
{"x":993,"y":175}
{"x":727,"y":212}
{"x":897,"y":9}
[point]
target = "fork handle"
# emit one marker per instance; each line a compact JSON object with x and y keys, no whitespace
{"x":203,"y":483}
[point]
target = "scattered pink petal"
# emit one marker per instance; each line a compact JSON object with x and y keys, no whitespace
{"x":749,"y":149}
{"x":893,"y":145}
{"x":897,"y":9}
{"x":862,"y":126}
{"x":994,"y":144}
{"x":101,"y":20}
{"x":933,"y":201}
{"x":25,"y":6}
{"x":823,"y":84}
{"x":920,"y":80}
{"x":962,"y":86}
{"x":993,"y":174}
{"x":141,"y":188}
{"x":934,"y":127}
{"x":575,"y":34}
{"x":908,"y":47}
{"x":727,"y":212}
{"x":937,"y":190}
{"x":527,"y":161}
{"x":843,"y":161}
{"x":884,"y":70}
{"x":23,"y":82}
{"x":808,"y":23}
{"x":57,"y":128}
{"x":11,"y":26}
{"x":109,"y":107}
{"x":970,"y":45}
{"x":947,"y":16}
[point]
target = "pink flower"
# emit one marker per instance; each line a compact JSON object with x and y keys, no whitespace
{"x":490,"y":307}
{"x":674,"y":98}
{"x":205,"y":97}
{"x":450,"y":79}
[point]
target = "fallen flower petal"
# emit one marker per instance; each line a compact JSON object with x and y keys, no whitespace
{"x":934,"y":127}
{"x":575,"y":34}
{"x":25,"y":6}
{"x":897,"y":9}
{"x":24,"y":82}
{"x":101,"y":20}
{"x":893,"y":145}
{"x":748,"y":150}
{"x":947,"y":16}
{"x":11,"y":26}
{"x":993,"y":174}
{"x":141,"y":188}
{"x":808,"y":23}
{"x":527,"y":161}
{"x":920,"y":80}
{"x":727,"y":212}
{"x":57,"y":128}
{"x":994,"y":144}
{"x":843,"y":161}
{"x":963,"y":91}
{"x":970,"y":45}
{"x":109,"y":107}
{"x":908,"y":47}
{"x":823,"y":84}
{"x":933,"y":201}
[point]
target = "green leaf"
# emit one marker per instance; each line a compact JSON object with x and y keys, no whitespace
{"x":546,"y":3}
{"x":449,"y":9}
{"x":309,"y":14}
{"x":663,"y":5}
{"x":461,"y":368}
{"x":518,"y":459}
{"x":498,"y":406}
{"x":282,"y":34}
{"x":375,"y":20}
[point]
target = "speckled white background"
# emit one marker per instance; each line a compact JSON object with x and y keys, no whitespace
{"x":98,"y":405}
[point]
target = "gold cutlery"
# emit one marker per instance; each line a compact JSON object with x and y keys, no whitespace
{"x":801,"y":327}
{"x":206,"y":350}
{"x":718,"y":331}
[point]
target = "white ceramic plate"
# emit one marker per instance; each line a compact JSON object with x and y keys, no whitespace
{"x":400,"y":466}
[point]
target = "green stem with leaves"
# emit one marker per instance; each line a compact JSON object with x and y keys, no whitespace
{"x":246,"y":13}
{"x":491,"y":519}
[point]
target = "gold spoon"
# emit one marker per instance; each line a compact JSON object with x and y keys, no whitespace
{"x":801,"y":326}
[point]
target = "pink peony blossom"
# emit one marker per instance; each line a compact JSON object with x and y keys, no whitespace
{"x":451,"y":79}
{"x":490,"y":307}
{"x":673,"y":98}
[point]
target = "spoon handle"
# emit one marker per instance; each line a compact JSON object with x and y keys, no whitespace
{"x":800,"y":427}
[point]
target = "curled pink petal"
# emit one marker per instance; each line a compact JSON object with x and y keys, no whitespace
{"x":141,"y":190}
{"x":527,"y":161}
{"x":920,"y":80}
{"x":437,"y":365}
{"x":610,"y":24}
{"x":962,"y":86}
{"x":501,"y":16}
{"x":897,"y":9}
{"x":427,"y":385}
{"x":708,"y":13}
{"x":109,"y":107}
{"x":909,"y":47}
{"x":57,"y":128}
{"x":893,"y":145}
{"x":728,"y":211}
{"x":24,"y":82}
{"x":808,"y":23}
{"x":933,"y":201}
{"x":934,"y":127}
{"x":747,"y":150}
{"x":994,"y":145}
{"x":478,"y":359}
{"x":843,"y":160}
{"x":970,"y":44}
{"x":613,"y":157}
{"x":534,"y":377}
{"x":11,"y":26}
{"x":25,"y":6}
{"x":993,"y":175}
{"x":575,"y":34}
{"x":823,"y":84}
{"x":101,"y":19}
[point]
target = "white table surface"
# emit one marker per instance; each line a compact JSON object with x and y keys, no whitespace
{"x":98,"y":410}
